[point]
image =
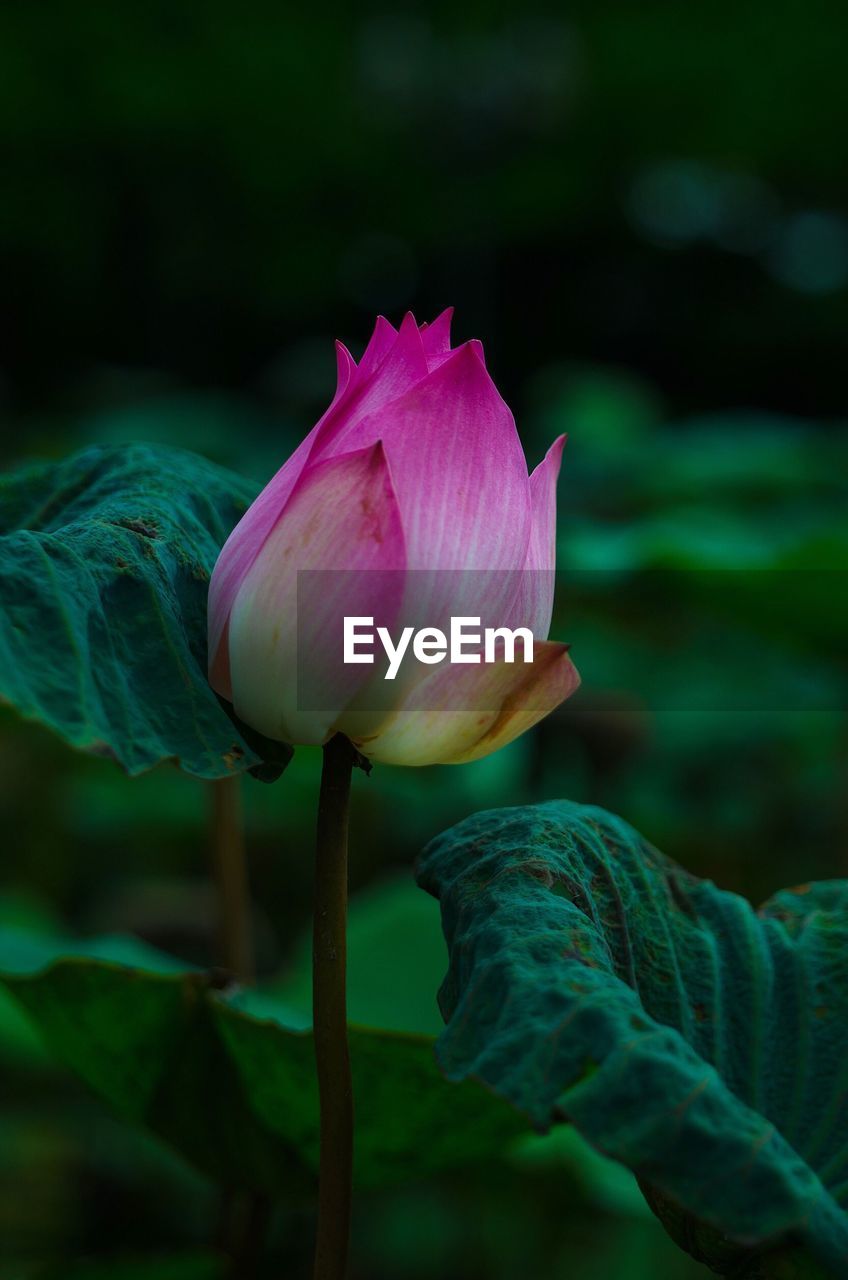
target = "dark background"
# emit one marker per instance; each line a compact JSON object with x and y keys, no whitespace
{"x":642,"y":210}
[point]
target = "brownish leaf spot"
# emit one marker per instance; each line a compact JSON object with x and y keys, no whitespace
{"x":233,"y":756}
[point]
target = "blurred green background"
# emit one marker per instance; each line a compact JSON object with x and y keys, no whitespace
{"x":642,"y":210}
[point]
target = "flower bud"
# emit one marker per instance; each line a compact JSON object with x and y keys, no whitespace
{"x":409,"y":503}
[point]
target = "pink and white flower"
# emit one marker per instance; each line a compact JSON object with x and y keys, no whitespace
{"x":416,"y":465}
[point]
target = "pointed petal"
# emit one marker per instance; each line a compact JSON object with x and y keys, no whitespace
{"x":462,"y":485}
{"x":379,"y":345}
{"x":541,"y":549}
{"x":435,"y":338}
{"x":462,"y":713}
{"x":556,"y":679}
{"x":343,"y":520}
{"x":401,"y":368}
{"x":345,"y":369}
{"x":477,"y":347}
{"x":246,"y":541}
{"x":247,"y":538}
{"x":535,"y":599}
{"x":458,"y":468}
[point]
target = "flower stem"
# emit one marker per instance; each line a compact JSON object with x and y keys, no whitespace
{"x":329,"y":1007}
{"x":230,"y":863}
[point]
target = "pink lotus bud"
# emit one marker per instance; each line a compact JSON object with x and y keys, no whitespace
{"x":416,"y":466}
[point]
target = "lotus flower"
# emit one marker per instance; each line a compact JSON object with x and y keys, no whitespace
{"x":416,"y":466}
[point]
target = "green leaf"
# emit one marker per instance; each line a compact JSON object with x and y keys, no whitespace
{"x":701,"y":1043}
{"x":228,"y":1077}
{"x":105,"y":561}
{"x":396,"y":960}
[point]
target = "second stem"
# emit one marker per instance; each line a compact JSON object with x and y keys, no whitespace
{"x":329,"y":1008}
{"x":233,"y":893}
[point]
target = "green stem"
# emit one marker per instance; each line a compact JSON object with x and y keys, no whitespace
{"x":329,"y":1006}
{"x":233,"y":894}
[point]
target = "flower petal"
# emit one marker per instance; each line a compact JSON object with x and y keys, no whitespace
{"x":345,"y":369}
{"x":534,"y":602}
{"x":477,"y":346}
{"x":219,"y":664}
{"x":541,"y":549}
{"x":342,"y":519}
{"x":458,"y":469}
{"x":461,"y":713}
{"x":379,"y":345}
{"x":247,"y":538}
{"x":435,"y":339}
{"x":401,"y":368}
{"x":556,"y":679}
{"x":461,"y":480}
